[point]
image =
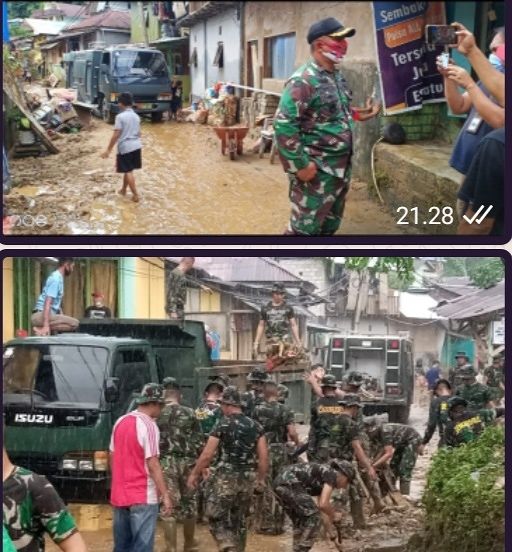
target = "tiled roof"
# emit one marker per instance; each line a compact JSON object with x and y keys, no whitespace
{"x":110,"y":18}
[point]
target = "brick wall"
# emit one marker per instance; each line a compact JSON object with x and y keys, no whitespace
{"x":431,"y":122}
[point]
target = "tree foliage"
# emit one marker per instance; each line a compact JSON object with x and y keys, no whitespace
{"x":22,"y":10}
{"x":465,"y":497}
{"x":483,"y":272}
{"x":401,"y":268}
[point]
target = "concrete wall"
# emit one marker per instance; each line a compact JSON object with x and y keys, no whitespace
{"x":7,"y":299}
{"x":204,"y":36}
{"x":137,"y":30}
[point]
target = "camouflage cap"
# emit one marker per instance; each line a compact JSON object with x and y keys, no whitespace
{"x":283,"y":391}
{"x":278,"y":288}
{"x":467,"y":371}
{"x":258,"y":375}
{"x":221,"y":381}
{"x":170,"y":383}
{"x":355,"y":378}
{"x":462,"y":354}
{"x":345,"y":468}
{"x":350,"y":400}
{"x":329,"y":381}
{"x":231,"y":395}
{"x":151,"y":392}
{"x":456,"y":401}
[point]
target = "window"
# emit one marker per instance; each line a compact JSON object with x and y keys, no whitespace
{"x":106,"y":58}
{"x":132,"y":369}
{"x":193,"y":58}
{"x":280,"y":52}
{"x":219,"y":55}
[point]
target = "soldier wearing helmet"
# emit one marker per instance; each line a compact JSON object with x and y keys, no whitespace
{"x":243,"y":460}
{"x":461,"y":359}
{"x":254,"y":395}
{"x":278,"y":323}
{"x":296,"y":486}
{"x":476,"y":394}
{"x":181,"y":443}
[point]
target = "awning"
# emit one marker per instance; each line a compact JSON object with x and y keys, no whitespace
{"x":49,"y":46}
{"x":206,"y":11}
{"x":170,"y":40}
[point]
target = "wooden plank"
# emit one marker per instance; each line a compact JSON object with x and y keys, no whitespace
{"x":353,"y":291}
{"x":383,"y":293}
{"x":14,"y":92}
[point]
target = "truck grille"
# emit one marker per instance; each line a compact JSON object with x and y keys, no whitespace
{"x":44,"y":465}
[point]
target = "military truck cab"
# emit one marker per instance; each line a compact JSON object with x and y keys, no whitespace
{"x":62,"y":396}
{"x":386,"y":361}
{"x":100,"y":75}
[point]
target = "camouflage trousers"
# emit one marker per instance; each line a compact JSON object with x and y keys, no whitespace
{"x":304,"y":514}
{"x":403,"y":461}
{"x":268,"y":512}
{"x":318,"y":205}
{"x":176,"y":471}
{"x":228,"y":502}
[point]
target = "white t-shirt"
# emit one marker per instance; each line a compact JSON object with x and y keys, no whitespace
{"x":128,"y":122}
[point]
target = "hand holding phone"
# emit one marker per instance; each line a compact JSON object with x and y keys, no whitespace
{"x":441,"y":35}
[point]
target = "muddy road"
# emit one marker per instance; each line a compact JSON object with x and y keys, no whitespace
{"x":186,"y":186}
{"x":393,"y":527}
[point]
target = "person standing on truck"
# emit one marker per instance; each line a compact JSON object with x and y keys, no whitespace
{"x":98,"y":308}
{"x":297,"y":485}
{"x":176,"y":289}
{"x":277,"y":321}
{"x":32,"y":509}
{"x":127,"y":136}
{"x":181,"y":442}
{"x":243,"y":464}
{"x":47,"y":316}
{"x":278,"y":423}
{"x":137,"y":478}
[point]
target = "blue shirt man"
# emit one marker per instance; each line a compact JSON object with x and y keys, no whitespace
{"x":54,"y":288}
{"x":433,"y":374}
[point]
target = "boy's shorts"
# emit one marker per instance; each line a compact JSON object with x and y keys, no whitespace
{"x":127,"y":162}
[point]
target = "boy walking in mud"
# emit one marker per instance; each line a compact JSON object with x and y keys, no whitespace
{"x":127,"y":135}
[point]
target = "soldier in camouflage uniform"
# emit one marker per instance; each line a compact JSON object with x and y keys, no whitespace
{"x":464,"y":425}
{"x":313,"y":129}
{"x":461,"y":359}
{"x":243,"y":463}
{"x":176,"y":289}
{"x":208,"y":413}
{"x":254,"y":395}
{"x":278,"y":424}
{"x":278,"y":323}
{"x":296,"y":485}
{"x":399,"y":447}
{"x":495,"y":379}
{"x":438,"y":412}
{"x":181,"y":442}
{"x":477,"y":395}
{"x":32,"y":508}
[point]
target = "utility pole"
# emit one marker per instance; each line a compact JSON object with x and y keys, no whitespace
{"x":143,"y":20}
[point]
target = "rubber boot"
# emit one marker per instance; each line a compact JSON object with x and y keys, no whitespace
{"x":170,"y":535}
{"x":189,"y":530}
{"x":405,"y":487}
{"x":357,"y":513}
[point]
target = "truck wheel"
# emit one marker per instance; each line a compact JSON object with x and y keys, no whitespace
{"x":399,"y":414}
{"x":157,"y":117}
{"x":108,"y":116}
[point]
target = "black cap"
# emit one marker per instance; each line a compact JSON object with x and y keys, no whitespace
{"x":329,"y":27}
{"x":442,"y":382}
{"x":278,"y":288}
{"x":461,"y":354}
{"x":170,"y":383}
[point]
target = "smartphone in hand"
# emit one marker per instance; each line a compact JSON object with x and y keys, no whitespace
{"x":440,"y":35}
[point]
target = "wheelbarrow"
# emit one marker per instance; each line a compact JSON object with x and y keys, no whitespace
{"x":231,"y":138}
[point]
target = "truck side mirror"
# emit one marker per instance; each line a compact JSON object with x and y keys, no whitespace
{"x":112,"y":390}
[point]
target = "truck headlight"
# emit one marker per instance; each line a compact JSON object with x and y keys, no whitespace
{"x":101,"y":460}
{"x":164,"y":97}
{"x":85,"y":465}
{"x":69,"y":464}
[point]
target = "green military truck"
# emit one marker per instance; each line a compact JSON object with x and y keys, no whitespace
{"x":63,"y":394}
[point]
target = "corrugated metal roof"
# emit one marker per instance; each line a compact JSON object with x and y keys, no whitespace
{"x":461,"y":285}
{"x":108,"y":19}
{"x":244,"y":269}
{"x":481,"y":301}
{"x":44,"y":26}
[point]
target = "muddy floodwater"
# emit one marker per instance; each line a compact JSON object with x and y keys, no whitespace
{"x":186,"y":187}
{"x":396,"y":526}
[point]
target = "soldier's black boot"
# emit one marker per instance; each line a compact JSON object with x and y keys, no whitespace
{"x":405,"y":487}
{"x":189,"y":531}
{"x":357,"y":513}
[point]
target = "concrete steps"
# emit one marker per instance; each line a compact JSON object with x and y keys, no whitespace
{"x":418,"y":175}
